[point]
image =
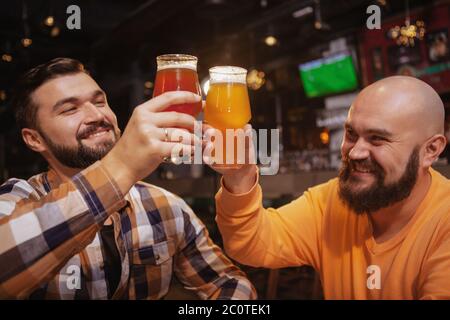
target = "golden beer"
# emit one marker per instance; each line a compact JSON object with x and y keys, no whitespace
{"x":227,"y":104}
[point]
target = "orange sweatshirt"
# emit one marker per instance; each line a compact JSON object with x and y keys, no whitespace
{"x":318,"y":230}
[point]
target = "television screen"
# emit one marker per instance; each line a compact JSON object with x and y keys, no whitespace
{"x":329,"y":75}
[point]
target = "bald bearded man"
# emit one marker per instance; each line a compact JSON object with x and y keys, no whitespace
{"x":381,"y":230}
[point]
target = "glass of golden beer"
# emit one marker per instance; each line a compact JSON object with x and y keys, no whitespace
{"x":178,"y":72}
{"x":227,"y":106}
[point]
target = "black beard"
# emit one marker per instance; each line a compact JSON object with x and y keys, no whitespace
{"x":378,"y":195}
{"x":81,"y":157}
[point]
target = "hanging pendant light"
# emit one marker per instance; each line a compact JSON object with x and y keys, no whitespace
{"x":407,"y":34}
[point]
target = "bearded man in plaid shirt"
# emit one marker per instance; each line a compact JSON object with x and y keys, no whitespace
{"x":89,"y":228}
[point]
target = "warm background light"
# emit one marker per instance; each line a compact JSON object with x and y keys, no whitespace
{"x":26,"y":42}
{"x":49,"y":21}
{"x":55,"y":31}
{"x":148,"y":84}
{"x":271,"y":41}
{"x":7,"y":57}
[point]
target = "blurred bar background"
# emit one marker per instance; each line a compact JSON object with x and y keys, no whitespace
{"x":307,"y":60}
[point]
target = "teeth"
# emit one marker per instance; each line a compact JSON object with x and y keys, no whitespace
{"x":97,"y":134}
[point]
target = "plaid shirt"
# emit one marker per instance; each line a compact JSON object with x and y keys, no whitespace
{"x":50,"y":246}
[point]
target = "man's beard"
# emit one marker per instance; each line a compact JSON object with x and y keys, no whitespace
{"x":378,"y":195}
{"x":82,"y":156}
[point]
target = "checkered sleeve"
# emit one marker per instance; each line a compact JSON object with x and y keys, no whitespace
{"x":38,"y":235}
{"x":203,"y":267}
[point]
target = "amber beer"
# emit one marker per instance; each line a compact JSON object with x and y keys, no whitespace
{"x":227,"y":104}
{"x":178,"y":72}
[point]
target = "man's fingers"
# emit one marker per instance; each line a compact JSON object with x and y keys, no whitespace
{"x":167,"y":99}
{"x":170,"y":149}
{"x":211,"y":134}
{"x":173,"y":119}
{"x":177,"y":135}
{"x":177,"y":152}
{"x":207,"y":154}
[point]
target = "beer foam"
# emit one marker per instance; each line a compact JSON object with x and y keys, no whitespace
{"x":174,"y":61}
{"x":226,"y":81}
{"x":227,"y":74}
{"x":178,"y":66}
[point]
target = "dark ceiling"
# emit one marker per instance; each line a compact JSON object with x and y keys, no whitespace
{"x":114,"y":32}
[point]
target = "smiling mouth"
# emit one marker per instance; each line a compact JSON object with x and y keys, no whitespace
{"x":362,"y":171}
{"x":98,"y":133}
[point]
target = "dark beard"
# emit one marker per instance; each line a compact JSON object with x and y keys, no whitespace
{"x":378,"y":195}
{"x":81,"y":156}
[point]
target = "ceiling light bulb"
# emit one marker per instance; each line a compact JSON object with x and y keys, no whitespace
{"x":49,"y":21}
{"x":55,"y":32}
{"x":26,"y":42}
{"x":271,"y":41}
{"x":7,"y":57}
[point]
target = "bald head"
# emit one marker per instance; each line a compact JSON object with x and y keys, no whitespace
{"x":405,"y":101}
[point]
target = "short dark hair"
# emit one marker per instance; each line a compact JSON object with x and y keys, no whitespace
{"x":24,"y":109}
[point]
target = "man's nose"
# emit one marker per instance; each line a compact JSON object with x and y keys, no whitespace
{"x":359,"y":151}
{"x":93,"y":114}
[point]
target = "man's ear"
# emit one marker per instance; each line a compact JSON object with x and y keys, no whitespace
{"x":433,"y":148}
{"x":33,"y":140}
